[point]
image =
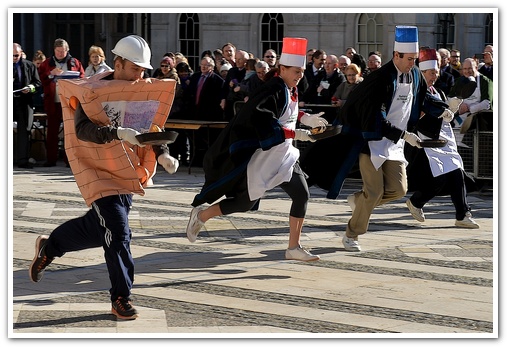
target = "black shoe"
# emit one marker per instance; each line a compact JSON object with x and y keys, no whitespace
{"x":49,"y":164}
{"x":25,"y":166}
{"x":40,"y":261}
{"x":122,"y":309}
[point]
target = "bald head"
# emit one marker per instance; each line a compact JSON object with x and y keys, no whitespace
{"x":469,"y":67}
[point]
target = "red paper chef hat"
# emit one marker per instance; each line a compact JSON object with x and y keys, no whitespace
{"x":428,"y":59}
{"x":293,"y":52}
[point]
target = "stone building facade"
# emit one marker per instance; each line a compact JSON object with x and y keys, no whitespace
{"x":332,"y":30}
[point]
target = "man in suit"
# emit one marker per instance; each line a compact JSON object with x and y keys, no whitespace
{"x":26,"y":80}
{"x":203,"y":95}
{"x":235,"y":75}
{"x":446,"y":77}
{"x":315,"y":68}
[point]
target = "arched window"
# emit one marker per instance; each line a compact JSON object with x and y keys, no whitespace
{"x":488,"y":25}
{"x":445,"y":30}
{"x":369,"y":33}
{"x":189,"y":38}
{"x":271,"y":32}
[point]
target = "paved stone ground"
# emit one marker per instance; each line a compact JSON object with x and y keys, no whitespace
{"x":430,"y":279}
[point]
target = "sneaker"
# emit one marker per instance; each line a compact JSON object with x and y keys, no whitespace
{"x":40,"y":260}
{"x":123,"y":309}
{"x":299,"y":253}
{"x":350,"y":244}
{"x":351,"y":199}
{"x":468,"y":222}
{"x":194,"y":224}
{"x":417,"y":213}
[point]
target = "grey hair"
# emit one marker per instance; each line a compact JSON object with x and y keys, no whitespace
{"x":260,"y":64}
{"x":61,"y":43}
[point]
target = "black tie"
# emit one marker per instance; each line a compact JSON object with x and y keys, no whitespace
{"x":405,"y":78}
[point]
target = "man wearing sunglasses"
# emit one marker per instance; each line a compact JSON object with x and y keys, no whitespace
{"x":487,"y":68}
{"x":270,"y":58}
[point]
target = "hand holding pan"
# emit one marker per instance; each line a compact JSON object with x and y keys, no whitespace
{"x":331,"y":130}
{"x":157,"y":138}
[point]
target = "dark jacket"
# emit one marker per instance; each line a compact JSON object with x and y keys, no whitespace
{"x":487,"y":71}
{"x":255,"y":126}
{"x":310,"y":76}
{"x":29,"y":75}
{"x":209,"y":100}
{"x":236,"y":76}
{"x":430,"y":124}
{"x":450,"y":70}
{"x":445,"y":81}
{"x":311,"y":94}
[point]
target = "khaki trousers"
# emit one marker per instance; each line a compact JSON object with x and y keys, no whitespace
{"x":380,"y":186}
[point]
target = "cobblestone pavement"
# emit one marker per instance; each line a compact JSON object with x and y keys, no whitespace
{"x":411,"y":279}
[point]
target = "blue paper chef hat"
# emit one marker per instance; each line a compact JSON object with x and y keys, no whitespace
{"x":406,"y":39}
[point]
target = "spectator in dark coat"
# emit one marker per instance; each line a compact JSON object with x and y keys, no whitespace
{"x":26,"y":78}
{"x":203,"y":96}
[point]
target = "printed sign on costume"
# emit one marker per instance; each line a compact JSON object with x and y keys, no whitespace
{"x":137,"y":115}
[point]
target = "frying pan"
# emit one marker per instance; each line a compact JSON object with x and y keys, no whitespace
{"x":157,"y":138}
{"x":331,"y":130}
{"x":433,"y":143}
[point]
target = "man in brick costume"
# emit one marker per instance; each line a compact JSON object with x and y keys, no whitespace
{"x":102,"y":116}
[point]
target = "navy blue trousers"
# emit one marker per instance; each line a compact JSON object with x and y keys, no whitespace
{"x":455,"y":182}
{"x":104,"y":225}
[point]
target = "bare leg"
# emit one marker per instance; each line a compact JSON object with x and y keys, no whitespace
{"x":296,"y":225}
{"x":210,"y":212}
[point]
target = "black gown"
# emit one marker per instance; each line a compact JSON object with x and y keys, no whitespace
{"x":255,"y":126}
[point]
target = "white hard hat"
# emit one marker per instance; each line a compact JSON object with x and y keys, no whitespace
{"x":135,"y":49}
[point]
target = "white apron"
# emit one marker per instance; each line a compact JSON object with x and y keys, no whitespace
{"x":444,"y":159}
{"x":398,"y":115}
{"x":268,"y":169}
